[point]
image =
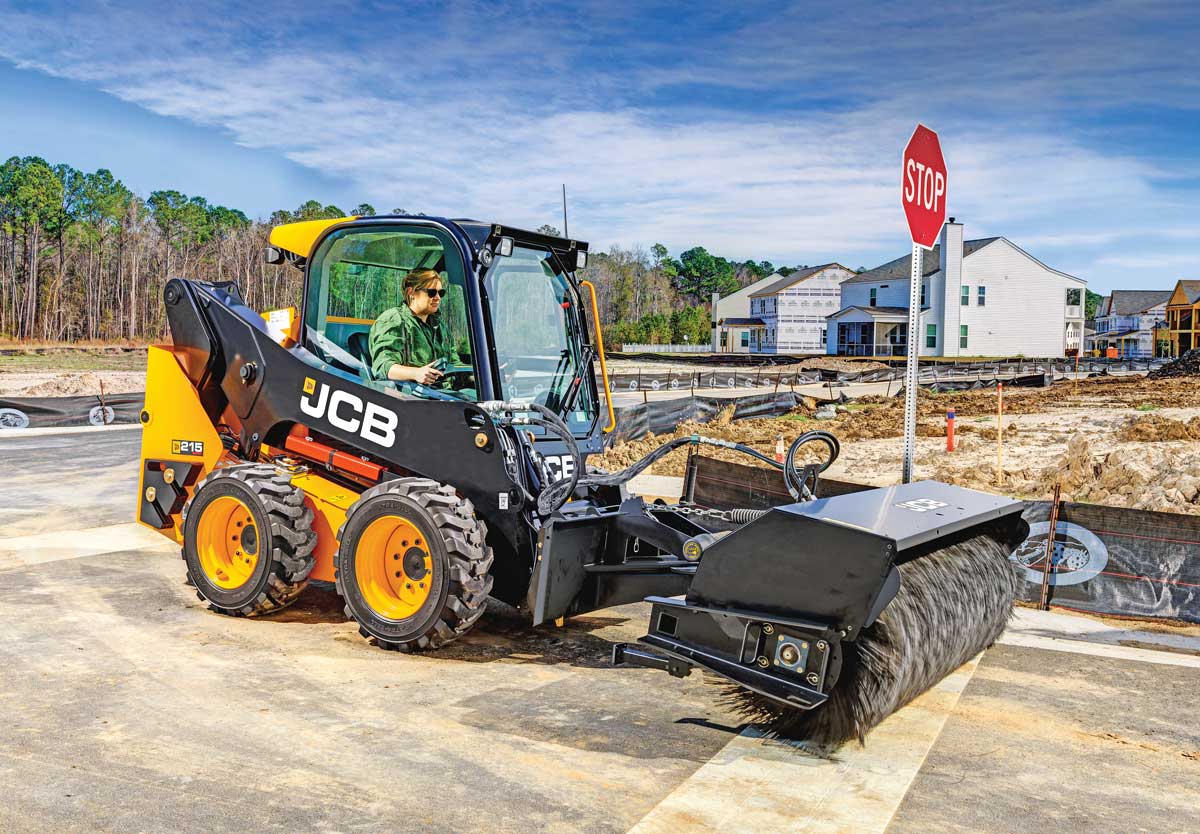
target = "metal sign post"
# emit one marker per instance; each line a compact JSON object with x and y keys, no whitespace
{"x":923,"y":196}
{"x":910,"y":368}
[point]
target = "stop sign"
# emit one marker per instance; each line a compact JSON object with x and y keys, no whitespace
{"x":923,"y":186}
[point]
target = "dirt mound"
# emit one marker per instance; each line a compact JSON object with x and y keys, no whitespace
{"x":1186,"y":365}
{"x":1154,"y":427}
{"x":49,"y":384}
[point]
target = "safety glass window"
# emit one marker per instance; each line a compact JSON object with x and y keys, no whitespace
{"x":388,"y":305}
{"x":539,"y":336}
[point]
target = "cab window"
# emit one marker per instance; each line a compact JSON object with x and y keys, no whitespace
{"x":357,"y":275}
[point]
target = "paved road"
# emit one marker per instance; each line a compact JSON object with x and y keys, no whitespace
{"x":127,"y":706}
{"x":67,"y":481}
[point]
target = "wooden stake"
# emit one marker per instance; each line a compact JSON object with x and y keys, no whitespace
{"x":1044,"y":599}
{"x":1000,"y":434}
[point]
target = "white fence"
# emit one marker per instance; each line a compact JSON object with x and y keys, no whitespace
{"x":705,"y":348}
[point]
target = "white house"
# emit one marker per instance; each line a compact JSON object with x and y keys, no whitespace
{"x":1126,"y":321}
{"x":731,"y":317}
{"x":793,"y":309}
{"x":984,"y":297}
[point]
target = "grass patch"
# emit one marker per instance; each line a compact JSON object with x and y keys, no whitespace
{"x":73,"y":360}
{"x":856,"y":406}
{"x":799,"y":418}
{"x":1146,"y":407}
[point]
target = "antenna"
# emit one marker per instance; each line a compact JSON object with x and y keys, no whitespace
{"x":566,"y":233}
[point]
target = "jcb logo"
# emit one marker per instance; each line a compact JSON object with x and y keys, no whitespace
{"x":922,"y":505}
{"x":347,"y":412}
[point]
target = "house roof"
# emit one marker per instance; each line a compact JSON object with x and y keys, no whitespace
{"x":795,"y":278}
{"x":1132,"y":302}
{"x":1191,"y":291}
{"x":874,"y":312}
{"x":735,"y":321}
{"x":930,"y":263}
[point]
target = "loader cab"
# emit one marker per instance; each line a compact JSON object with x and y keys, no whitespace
{"x":512,"y":311}
{"x":356,"y":274}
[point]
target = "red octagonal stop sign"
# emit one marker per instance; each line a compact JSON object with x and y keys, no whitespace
{"x":923,"y":186}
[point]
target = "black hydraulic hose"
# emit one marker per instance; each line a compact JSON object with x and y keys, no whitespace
{"x":791,"y":474}
{"x":796,"y":485}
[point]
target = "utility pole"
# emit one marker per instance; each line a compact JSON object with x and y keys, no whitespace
{"x":566,"y":233}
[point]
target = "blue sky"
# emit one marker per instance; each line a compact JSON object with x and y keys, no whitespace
{"x":762,"y":130}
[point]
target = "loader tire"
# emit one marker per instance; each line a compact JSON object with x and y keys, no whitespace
{"x":412,"y":565}
{"x":248,"y":540}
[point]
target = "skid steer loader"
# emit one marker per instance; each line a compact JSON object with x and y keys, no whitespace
{"x":274,"y":453}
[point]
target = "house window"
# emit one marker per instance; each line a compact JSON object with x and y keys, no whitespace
{"x":1074,"y":297}
{"x":745,"y":338}
{"x":922,"y":293}
{"x":962,"y":335}
{"x":982,"y":301}
{"x":874,"y":296}
{"x":966,"y":296}
{"x":931,"y":335}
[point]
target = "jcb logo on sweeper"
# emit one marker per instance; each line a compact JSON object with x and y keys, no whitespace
{"x":922,"y":505}
{"x":349,"y":413}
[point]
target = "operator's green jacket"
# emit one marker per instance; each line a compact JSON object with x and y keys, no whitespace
{"x":398,"y":337}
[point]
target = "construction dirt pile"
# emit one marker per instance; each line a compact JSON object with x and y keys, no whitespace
{"x":1164,"y":481}
{"x":1186,"y":365}
{"x":1149,"y":428}
{"x":49,"y":384}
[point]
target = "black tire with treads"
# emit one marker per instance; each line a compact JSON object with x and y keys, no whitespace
{"x":457,"y":546}
{"x":286,"y":539}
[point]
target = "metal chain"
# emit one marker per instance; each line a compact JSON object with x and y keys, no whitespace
{"x":684,"y":509}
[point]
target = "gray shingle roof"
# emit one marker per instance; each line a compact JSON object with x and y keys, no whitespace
{"x":796,"y":277}
{"x":1132,"y":302}
{"x":930,"y":263}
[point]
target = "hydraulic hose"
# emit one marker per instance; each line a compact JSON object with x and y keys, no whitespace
{"x":552,"y":496}
{"x":795,"y":481}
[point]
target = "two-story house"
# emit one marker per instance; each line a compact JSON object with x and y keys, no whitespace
{"x":985,"y":297}
{"x":1127,"y":320}
{"x":1183,"y":317}
{"x":793,"y":309}
{"x":732,"y":322}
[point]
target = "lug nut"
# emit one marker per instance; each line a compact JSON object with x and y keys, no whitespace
{"x":763,"y":662}
{"x":822,"y":645}
{"x":812,"y":678}
{"x":768,"y":628}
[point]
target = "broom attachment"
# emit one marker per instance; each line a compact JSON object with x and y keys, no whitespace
{"x":820,"y":619}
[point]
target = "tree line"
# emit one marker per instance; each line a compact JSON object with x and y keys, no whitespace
{"x":83,"y":257}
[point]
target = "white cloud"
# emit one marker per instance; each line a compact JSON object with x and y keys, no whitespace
{"x":484,"y":112}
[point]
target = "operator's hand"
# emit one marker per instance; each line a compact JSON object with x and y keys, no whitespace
{"x":427,"y":374}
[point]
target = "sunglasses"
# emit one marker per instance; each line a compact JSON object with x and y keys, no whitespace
{"x":431,"y":293}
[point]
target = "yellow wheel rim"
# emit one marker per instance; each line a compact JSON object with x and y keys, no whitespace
{"x":393,"y":567}
{"x":227,"y":542}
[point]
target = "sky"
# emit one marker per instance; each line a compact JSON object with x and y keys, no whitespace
{"x":758,"y":130}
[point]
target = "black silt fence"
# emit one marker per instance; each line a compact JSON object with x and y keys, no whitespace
{"x":55,"y":412}
{"x":1114,"y":560}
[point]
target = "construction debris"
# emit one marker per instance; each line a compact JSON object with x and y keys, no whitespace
{"x":1186,"y":365}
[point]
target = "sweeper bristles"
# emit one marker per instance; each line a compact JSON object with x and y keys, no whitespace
{"x":953,"y":603}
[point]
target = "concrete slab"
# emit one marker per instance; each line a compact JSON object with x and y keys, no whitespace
{"x":755,"y":786}
{"x":129,"y":707}
{"x":1048,"y":741}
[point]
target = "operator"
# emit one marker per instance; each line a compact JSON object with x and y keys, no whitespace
{"x":406,"y":342}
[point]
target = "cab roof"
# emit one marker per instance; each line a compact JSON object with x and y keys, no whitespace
{"x":300,"y":238}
